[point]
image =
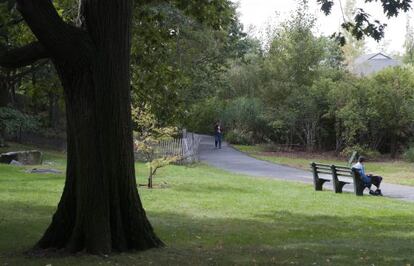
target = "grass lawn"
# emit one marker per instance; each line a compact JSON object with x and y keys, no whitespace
{"x":210,"y":217}
{"x":397,"y":172}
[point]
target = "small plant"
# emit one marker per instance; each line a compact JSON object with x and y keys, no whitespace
{"x":146,"y":139}
{"x":147,"y":147}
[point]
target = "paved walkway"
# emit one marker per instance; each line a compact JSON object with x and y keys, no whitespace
{"x":234,"y":161}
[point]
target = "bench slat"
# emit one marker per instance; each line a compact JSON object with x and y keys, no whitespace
{"x":350,"y":176}
{"x":323,"y":167}
{"x":324,"y":172}
{"x":342,"y":167}
{"x":343,"y":170}
{"x":349,"y":172}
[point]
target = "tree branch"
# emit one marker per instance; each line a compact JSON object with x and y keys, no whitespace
{"x":23,"y":56}
{"x":61,"y":40}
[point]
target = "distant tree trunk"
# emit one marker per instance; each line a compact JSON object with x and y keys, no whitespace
{"x":4,"y":101}
{"x":53,"y":109}
{"x":4,"y":89}
{"x":100,"y":209}
{"x":309,"y":130}
{"x":393,"y":145}
{"x":339,"y":137}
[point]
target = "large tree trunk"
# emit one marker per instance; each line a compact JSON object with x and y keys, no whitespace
{"x":100,"y":209}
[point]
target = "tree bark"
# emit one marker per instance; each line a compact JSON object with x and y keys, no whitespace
{"x":100,"y":209}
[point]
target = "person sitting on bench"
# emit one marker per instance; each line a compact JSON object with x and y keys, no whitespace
{"x":368,"y":179}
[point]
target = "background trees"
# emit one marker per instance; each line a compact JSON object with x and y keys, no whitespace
{"x":298,"y":89}
{"x":192,"y":65}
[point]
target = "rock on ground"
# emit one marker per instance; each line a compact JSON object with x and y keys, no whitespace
{"x":24,"y":157}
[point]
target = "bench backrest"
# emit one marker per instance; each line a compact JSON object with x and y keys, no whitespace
{"x":353,"y":158}
{"x":321,"y":168}
{"x":338,"y":170}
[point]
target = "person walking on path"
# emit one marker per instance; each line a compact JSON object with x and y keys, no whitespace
{"x":218,"y":135}
{"x":368,"y":179}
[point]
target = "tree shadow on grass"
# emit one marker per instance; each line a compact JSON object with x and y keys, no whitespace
{"x":208,"y":189}
{"x":279,"y":237}
{"x":21,"y":225}
{"x":291,"y":238}
{"x":26,"y":177}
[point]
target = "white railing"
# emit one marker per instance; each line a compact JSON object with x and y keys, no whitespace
{"x":186,"y":148}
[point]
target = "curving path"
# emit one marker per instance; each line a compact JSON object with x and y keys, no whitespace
{"x":235,"y":161}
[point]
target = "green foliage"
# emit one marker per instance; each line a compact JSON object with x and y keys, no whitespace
{"x":146,"y":125}
{"x":243,"y":118}
{"x":216,"y":14}
{"x":36,"y":88}
{"x":12,"y":121}
{"x":409,"y":154}
{"x":245,"y":76}
{"x":362,"y":24}
{"x":147,"y":136}
{"x":375,"y":111}
{"x":391,"y":104}
{"x":293,"y":88}
{"x":348,"y":100}
{"x":204,"y":114}
{"x":362,"y":150}
{"x":234,"y":136}
{"x":179,"y":54}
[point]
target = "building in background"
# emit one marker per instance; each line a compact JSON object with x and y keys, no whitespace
{"x":371,"y":63}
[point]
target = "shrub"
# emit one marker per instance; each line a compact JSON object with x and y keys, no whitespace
{"x":362,"y":151}
{"x":12,"y":121}
{"x":409,"y":154}
{"x":237,"y":137}
{"x":244,"y":117}
{"x":203,"y":115}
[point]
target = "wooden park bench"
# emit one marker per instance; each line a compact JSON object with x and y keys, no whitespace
{"x":336,"y":175}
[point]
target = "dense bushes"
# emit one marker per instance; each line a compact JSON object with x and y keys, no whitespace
{"x":204,"y":115}
{"x":409,"y":154}
{"x":244,"y":121}
{"x":333,"y":111}
{"x":13,"y":121}
{"x":297,"y":91}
